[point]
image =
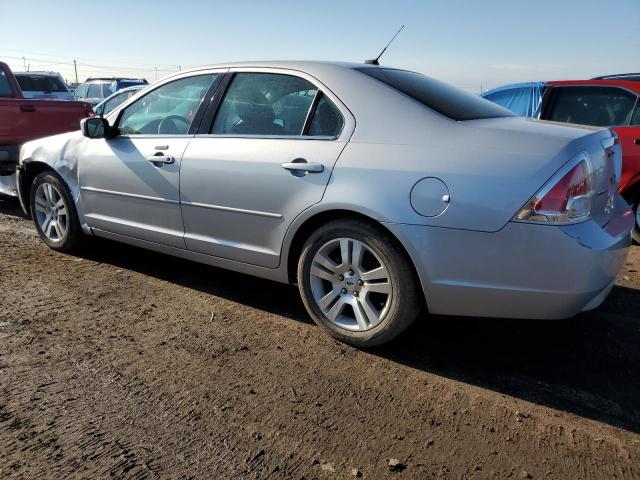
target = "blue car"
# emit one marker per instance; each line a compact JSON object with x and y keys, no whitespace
{"x":521,"y":98}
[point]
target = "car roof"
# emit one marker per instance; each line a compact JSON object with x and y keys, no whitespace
{"x":307,"y":66}
{"x":47,"y":74}
{"x":628,"y":84}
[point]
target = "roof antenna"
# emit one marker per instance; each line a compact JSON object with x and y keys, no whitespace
{"x":375,"y":60}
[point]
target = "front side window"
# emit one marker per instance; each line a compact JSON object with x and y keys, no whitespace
{"x":439,"y":96}
{"x":81,"y":91}
{"x":167,"y":110}
{"x":264,"y":104}
{"x":5,"y":86}
{"x":597,"y":106}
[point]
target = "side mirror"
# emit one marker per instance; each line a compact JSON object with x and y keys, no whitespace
{"x":95,"y":127}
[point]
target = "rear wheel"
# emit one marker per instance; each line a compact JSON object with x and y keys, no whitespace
{"x":357,"y":283}
{"x":54,"y":213}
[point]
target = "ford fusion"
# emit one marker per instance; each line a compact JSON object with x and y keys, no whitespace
{"x":381,"y":193}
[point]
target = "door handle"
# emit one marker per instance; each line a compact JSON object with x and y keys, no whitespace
{"x":159,"y":159}
{"x":637,"y":141}
{"x":27,"y":108}
{"x":303,"y":166}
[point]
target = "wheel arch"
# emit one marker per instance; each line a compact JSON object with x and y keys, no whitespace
{"x":313,"y":221}
{"x":27,"y":173}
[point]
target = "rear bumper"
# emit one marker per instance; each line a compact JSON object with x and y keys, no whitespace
{"x":522,"y":271}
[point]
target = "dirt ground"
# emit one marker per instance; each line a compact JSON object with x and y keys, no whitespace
{"x":130,"y":364}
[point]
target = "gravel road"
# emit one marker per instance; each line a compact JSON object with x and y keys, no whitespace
{"x":130,"y":364}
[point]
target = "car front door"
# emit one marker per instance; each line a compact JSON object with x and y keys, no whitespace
{"x":267,"y":156}
{"x":130,"y":184}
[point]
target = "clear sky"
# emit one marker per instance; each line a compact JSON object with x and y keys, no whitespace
{"x":467,"y":43}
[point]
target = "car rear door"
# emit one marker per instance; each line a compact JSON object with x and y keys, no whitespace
{"x":130,"y":184}
{"x":265,"y":156}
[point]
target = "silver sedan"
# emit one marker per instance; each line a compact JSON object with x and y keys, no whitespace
{"x":384,"y":194}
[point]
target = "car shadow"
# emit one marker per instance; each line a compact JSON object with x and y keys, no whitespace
{"x":588,"y":365}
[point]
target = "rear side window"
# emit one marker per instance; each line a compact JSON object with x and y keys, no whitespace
{"x":5,"y":86}
{"x":264,"y":104}
{"x":439,"y":96}
{"x":35,"y":83}
{"x":597,"y":106}
{"x":327,"y":119}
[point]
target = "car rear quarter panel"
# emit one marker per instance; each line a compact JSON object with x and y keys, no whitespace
{"x":490,"y":173}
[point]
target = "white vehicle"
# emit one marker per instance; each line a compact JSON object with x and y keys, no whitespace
{"x":47,"y":85}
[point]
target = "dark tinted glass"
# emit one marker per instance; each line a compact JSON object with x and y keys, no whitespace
{"x":5,"y":87}
{"x":439,"y":96}
{"x":264,"y":104}
{"x":35,"y":83}
{"x":327,"y":120}
{"x":598,"y":106}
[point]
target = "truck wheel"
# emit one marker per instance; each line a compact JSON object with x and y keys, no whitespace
{"x":357,"y":283}
{"x":54,"y":213}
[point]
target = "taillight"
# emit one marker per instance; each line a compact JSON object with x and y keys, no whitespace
{"x":565,"y":198}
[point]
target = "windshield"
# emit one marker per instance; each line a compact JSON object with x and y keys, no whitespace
{"x":40,"y":83}
{"x":439,"y":96}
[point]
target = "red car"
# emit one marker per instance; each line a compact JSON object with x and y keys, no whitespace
{"x":612,"y":101}
{"x":23,"y":119}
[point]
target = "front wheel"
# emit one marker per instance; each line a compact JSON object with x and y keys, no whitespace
{"x":357,"y":283}
{"x":54,"y":213}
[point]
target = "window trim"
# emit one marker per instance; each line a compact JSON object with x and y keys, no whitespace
{"x":550,"y":95}
{"x":212,"y":110}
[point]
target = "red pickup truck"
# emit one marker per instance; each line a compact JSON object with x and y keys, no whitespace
{"x":23,"y":119}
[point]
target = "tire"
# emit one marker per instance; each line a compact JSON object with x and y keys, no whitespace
{"x":365,"y":302}
{"x":54,"y":213}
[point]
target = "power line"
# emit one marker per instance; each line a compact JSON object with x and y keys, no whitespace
{"x":113,"y":62}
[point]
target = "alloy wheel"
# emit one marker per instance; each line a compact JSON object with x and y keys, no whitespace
{"x":350,"y":284}
{"x":51,"y":212}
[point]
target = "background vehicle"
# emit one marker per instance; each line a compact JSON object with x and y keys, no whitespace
{"x":437,"y":197}
{"x":115,"y":100}
{"x":608,"y":103}
{"x":23,"y":119}
{"x":94,"y":90}
{"x":49,"y":85}
{"x":521,"y":98}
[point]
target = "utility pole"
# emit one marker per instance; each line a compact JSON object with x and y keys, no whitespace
{"x":24,"y":61}
{"x":75,"y":67}
{"x":156,"y":69}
